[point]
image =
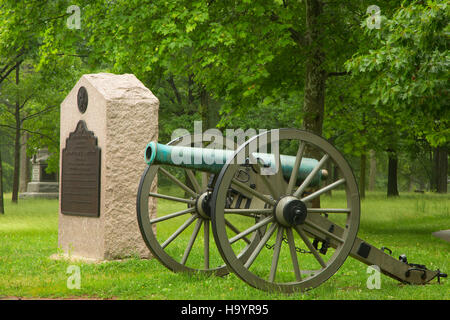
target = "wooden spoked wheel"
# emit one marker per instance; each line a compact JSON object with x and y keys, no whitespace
{"x":292,"y":253}
{"x":179,"y":233}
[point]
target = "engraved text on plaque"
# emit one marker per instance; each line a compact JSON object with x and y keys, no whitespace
{"x":80,"y":174}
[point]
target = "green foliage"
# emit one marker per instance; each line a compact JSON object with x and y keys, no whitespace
{"x":246,"y":58}
{"x":408,"y":63}
{"x":245,"y":55}
{"x":28,"y":34}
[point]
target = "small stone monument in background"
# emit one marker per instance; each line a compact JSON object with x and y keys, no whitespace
{"x":107,"y":121}
{"x":43,"y":184}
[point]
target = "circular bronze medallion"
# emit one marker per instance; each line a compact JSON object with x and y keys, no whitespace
{"x":82,"y":99}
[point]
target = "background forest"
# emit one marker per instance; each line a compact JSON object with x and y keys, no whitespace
{"x":369,"y":76}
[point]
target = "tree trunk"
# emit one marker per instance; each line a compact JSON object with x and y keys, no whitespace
{"x":432,"y":175}
{"x":441,"y":169}
{"x":15,"y":190}
{"x":209,"y":111}
{"x":411,"y":183}
{"x":24,"y":164}
{"x":315,"y":78}
{"x":362,"y":176}
{"x":372,"y":170}
{"x":392,"y":189}
{"x":2,"y":205}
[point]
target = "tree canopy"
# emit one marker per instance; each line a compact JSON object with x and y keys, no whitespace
{"x":408,"y":64}
{"x":366,"y":77}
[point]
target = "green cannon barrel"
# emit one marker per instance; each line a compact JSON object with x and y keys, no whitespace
{"x":212,"y":160}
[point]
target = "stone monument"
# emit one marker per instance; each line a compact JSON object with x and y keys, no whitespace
{"x":106,"y":122}
{"x":43,"y":184}
{"x":442,"y":234}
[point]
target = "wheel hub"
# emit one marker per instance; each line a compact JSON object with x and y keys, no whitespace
{"x":290,"y":211}
{"x":203,"y":205}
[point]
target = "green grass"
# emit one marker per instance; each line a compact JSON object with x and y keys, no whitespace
{"x":29,"y":236}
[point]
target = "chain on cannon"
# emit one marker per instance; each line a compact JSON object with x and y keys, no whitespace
{"x":249,"y":199}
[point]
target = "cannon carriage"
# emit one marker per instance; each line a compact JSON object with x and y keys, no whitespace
{"x":260,"y":204}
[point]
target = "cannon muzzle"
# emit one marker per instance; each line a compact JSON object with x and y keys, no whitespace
{"x":213,"y":160}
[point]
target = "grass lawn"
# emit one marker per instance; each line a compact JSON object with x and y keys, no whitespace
{"x":29,"y":236}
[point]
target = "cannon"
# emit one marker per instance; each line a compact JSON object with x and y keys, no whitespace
{"x":264,"y":210}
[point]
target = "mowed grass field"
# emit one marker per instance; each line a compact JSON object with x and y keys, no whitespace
{"x":29,"y":237}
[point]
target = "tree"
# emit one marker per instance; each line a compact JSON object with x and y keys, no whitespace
{"x":2,"y":205}
{"x":30,"y":105}
{"x":264,"y":63}
{"x":28,"y":94}
{"x":238,"y":54}
{"x":408,"y":64}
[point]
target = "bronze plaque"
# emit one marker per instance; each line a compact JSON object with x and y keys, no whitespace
{"x":80,"y":176}
{"x":82,"y":99}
